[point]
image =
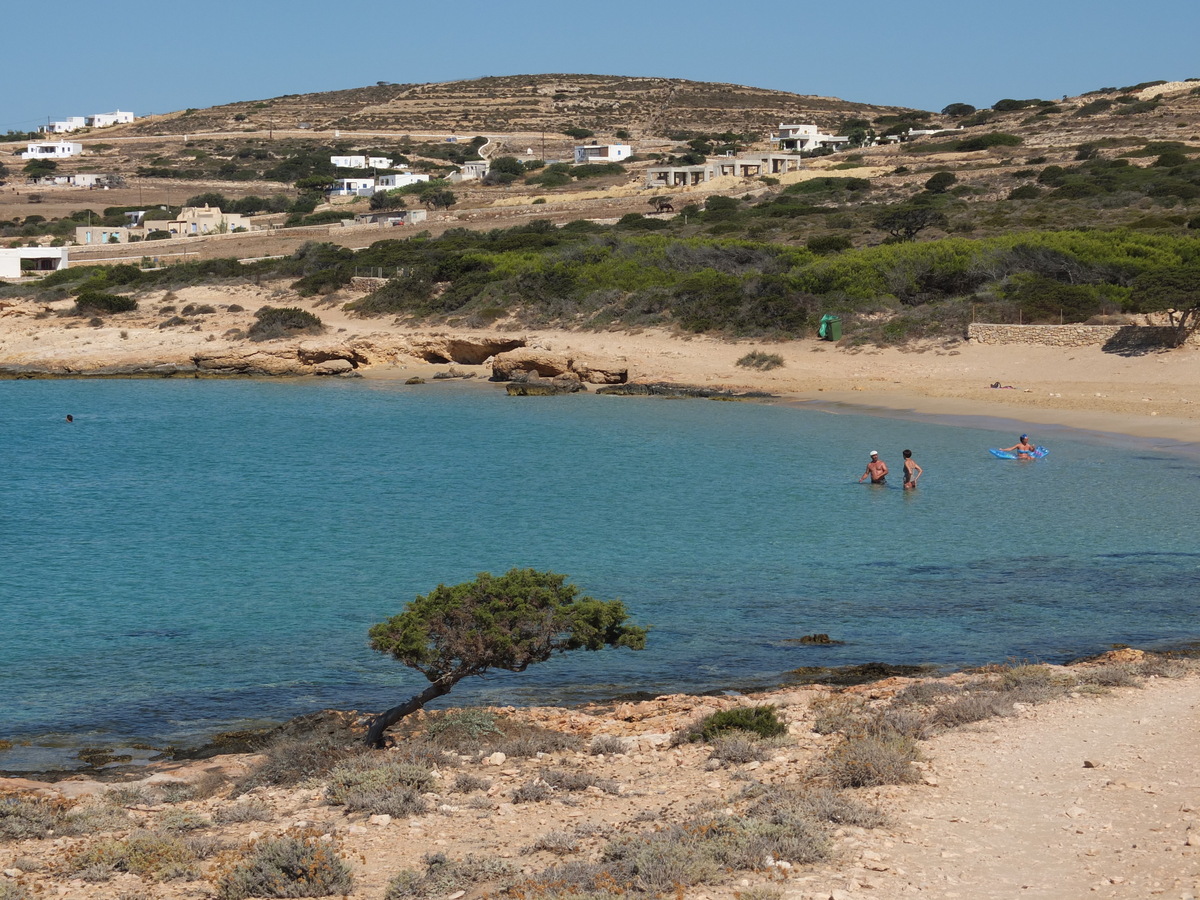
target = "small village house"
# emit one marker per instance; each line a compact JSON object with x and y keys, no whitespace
{"x":69,"y":124}
{"x":398,"y":180}
{"x":104,"y":120}
{"x":602,"y":153}
{"x":52,"y":150}
{"x":36,"y":259}
{"x":807,"y":138}
{"x":351,"y":187}
{"x":363,"y":162}
{"x":195,"y":220}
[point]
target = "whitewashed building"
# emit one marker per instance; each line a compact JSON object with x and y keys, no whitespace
{"x":45,"y":259}
{"x":103,"y":120}
{"x":348,"y":187}
{"x":807,"y":138}
{"x":602,"y":153}
{"x":52,"y":150}
{"x":398,"y":180}
{"x":363,"y":162}
{"x":69,"y":124}
{"x":471,"y":170}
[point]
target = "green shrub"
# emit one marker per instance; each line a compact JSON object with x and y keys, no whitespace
{"x":90,"y":302}
{"x":463,"y":727}
{"x":760,"y":720}
{"x":827,"y":244}
{"x":940,"y":182}
{"x":289,"y":866}
{"x":761,"y":361}
{"x":411,"y":294}
{"x":984,"y":141}
{"x":289,"y":760}
{"x":272,"y":323}
{"x":1025,"y":192}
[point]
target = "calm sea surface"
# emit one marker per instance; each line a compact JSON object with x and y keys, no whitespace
{"x":190,"y":556}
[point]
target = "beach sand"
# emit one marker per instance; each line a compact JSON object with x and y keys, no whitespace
{"x":1154,"y":395}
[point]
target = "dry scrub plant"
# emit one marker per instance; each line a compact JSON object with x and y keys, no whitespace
{"x":155,"y":855}
{"x":444,"y":876}
{"x":379,"y":784}
{"x":294,"y":865}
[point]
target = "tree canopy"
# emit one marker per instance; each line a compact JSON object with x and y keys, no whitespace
{"x":905,"y":222}
{"x":507,"y":622}
{"x":1175,"y":291}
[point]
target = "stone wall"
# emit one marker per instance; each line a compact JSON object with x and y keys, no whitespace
{"x":1110,"y":336}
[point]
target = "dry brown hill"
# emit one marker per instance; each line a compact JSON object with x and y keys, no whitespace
{"x":523,"y":103}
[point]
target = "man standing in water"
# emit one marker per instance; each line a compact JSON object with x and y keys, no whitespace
{"x":876,"y":470}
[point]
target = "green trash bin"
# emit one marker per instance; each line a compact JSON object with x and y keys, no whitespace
{"x":830,"y":328}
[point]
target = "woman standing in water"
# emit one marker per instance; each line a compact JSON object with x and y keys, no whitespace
{"x":911,"y":471}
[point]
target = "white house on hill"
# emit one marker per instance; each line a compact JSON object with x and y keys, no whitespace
{"x":71,"y":123}
{"x":43,"y":259}
{"x":52,"y":150}
{"x":806,"y":138}
{"x":103,"y":120}
{"x":362,"y":162}
{"x":402,"y":179}
{"x":347,"y":187}
{"x":602,"y":153}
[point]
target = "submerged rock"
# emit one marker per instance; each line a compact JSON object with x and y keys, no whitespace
{"x":680,"y":391}
{"x":860,"y":674}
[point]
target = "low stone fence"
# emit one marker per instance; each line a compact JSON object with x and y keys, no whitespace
{"x":1114,"y":336}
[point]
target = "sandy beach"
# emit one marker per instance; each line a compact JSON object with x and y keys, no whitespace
{"x":1152,"y":395}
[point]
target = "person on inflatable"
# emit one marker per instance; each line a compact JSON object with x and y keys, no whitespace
{"x":1023,"y":448}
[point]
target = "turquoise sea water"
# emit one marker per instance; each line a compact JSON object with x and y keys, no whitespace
{"x":188,"y":556}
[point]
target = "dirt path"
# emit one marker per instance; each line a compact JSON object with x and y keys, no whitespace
{"x":1017,"y":811}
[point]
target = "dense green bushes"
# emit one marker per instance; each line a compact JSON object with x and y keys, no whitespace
{"x":91,"y":302}
{"x":277,"y":322}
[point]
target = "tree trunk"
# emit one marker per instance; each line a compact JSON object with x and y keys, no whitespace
{"x":385,"y":720}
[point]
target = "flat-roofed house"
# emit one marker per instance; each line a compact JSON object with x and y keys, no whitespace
{"x":807,"y":138}
{"x":41,"y":259}
{"x":52,"y":150}
{"x":351,"y":187}
{"x":116,"y":117}
{"x":197,"y":220}
{"x":602,"y":153}
{"x":71,"y":123}
{"x":398,"y":180}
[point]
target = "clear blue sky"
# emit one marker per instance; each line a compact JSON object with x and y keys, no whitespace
{"x":73,"y":57}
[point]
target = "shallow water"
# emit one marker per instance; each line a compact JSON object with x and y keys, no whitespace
{"x":190,"y":555}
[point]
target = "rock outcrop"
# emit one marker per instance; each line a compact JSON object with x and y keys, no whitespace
{"x":531,"y":385}
{"x":462,"y":349}
{"x":306,"y":359}
{"x":546,"y":364}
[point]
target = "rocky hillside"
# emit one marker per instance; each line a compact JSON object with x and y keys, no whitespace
{"x":524,"y":103}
